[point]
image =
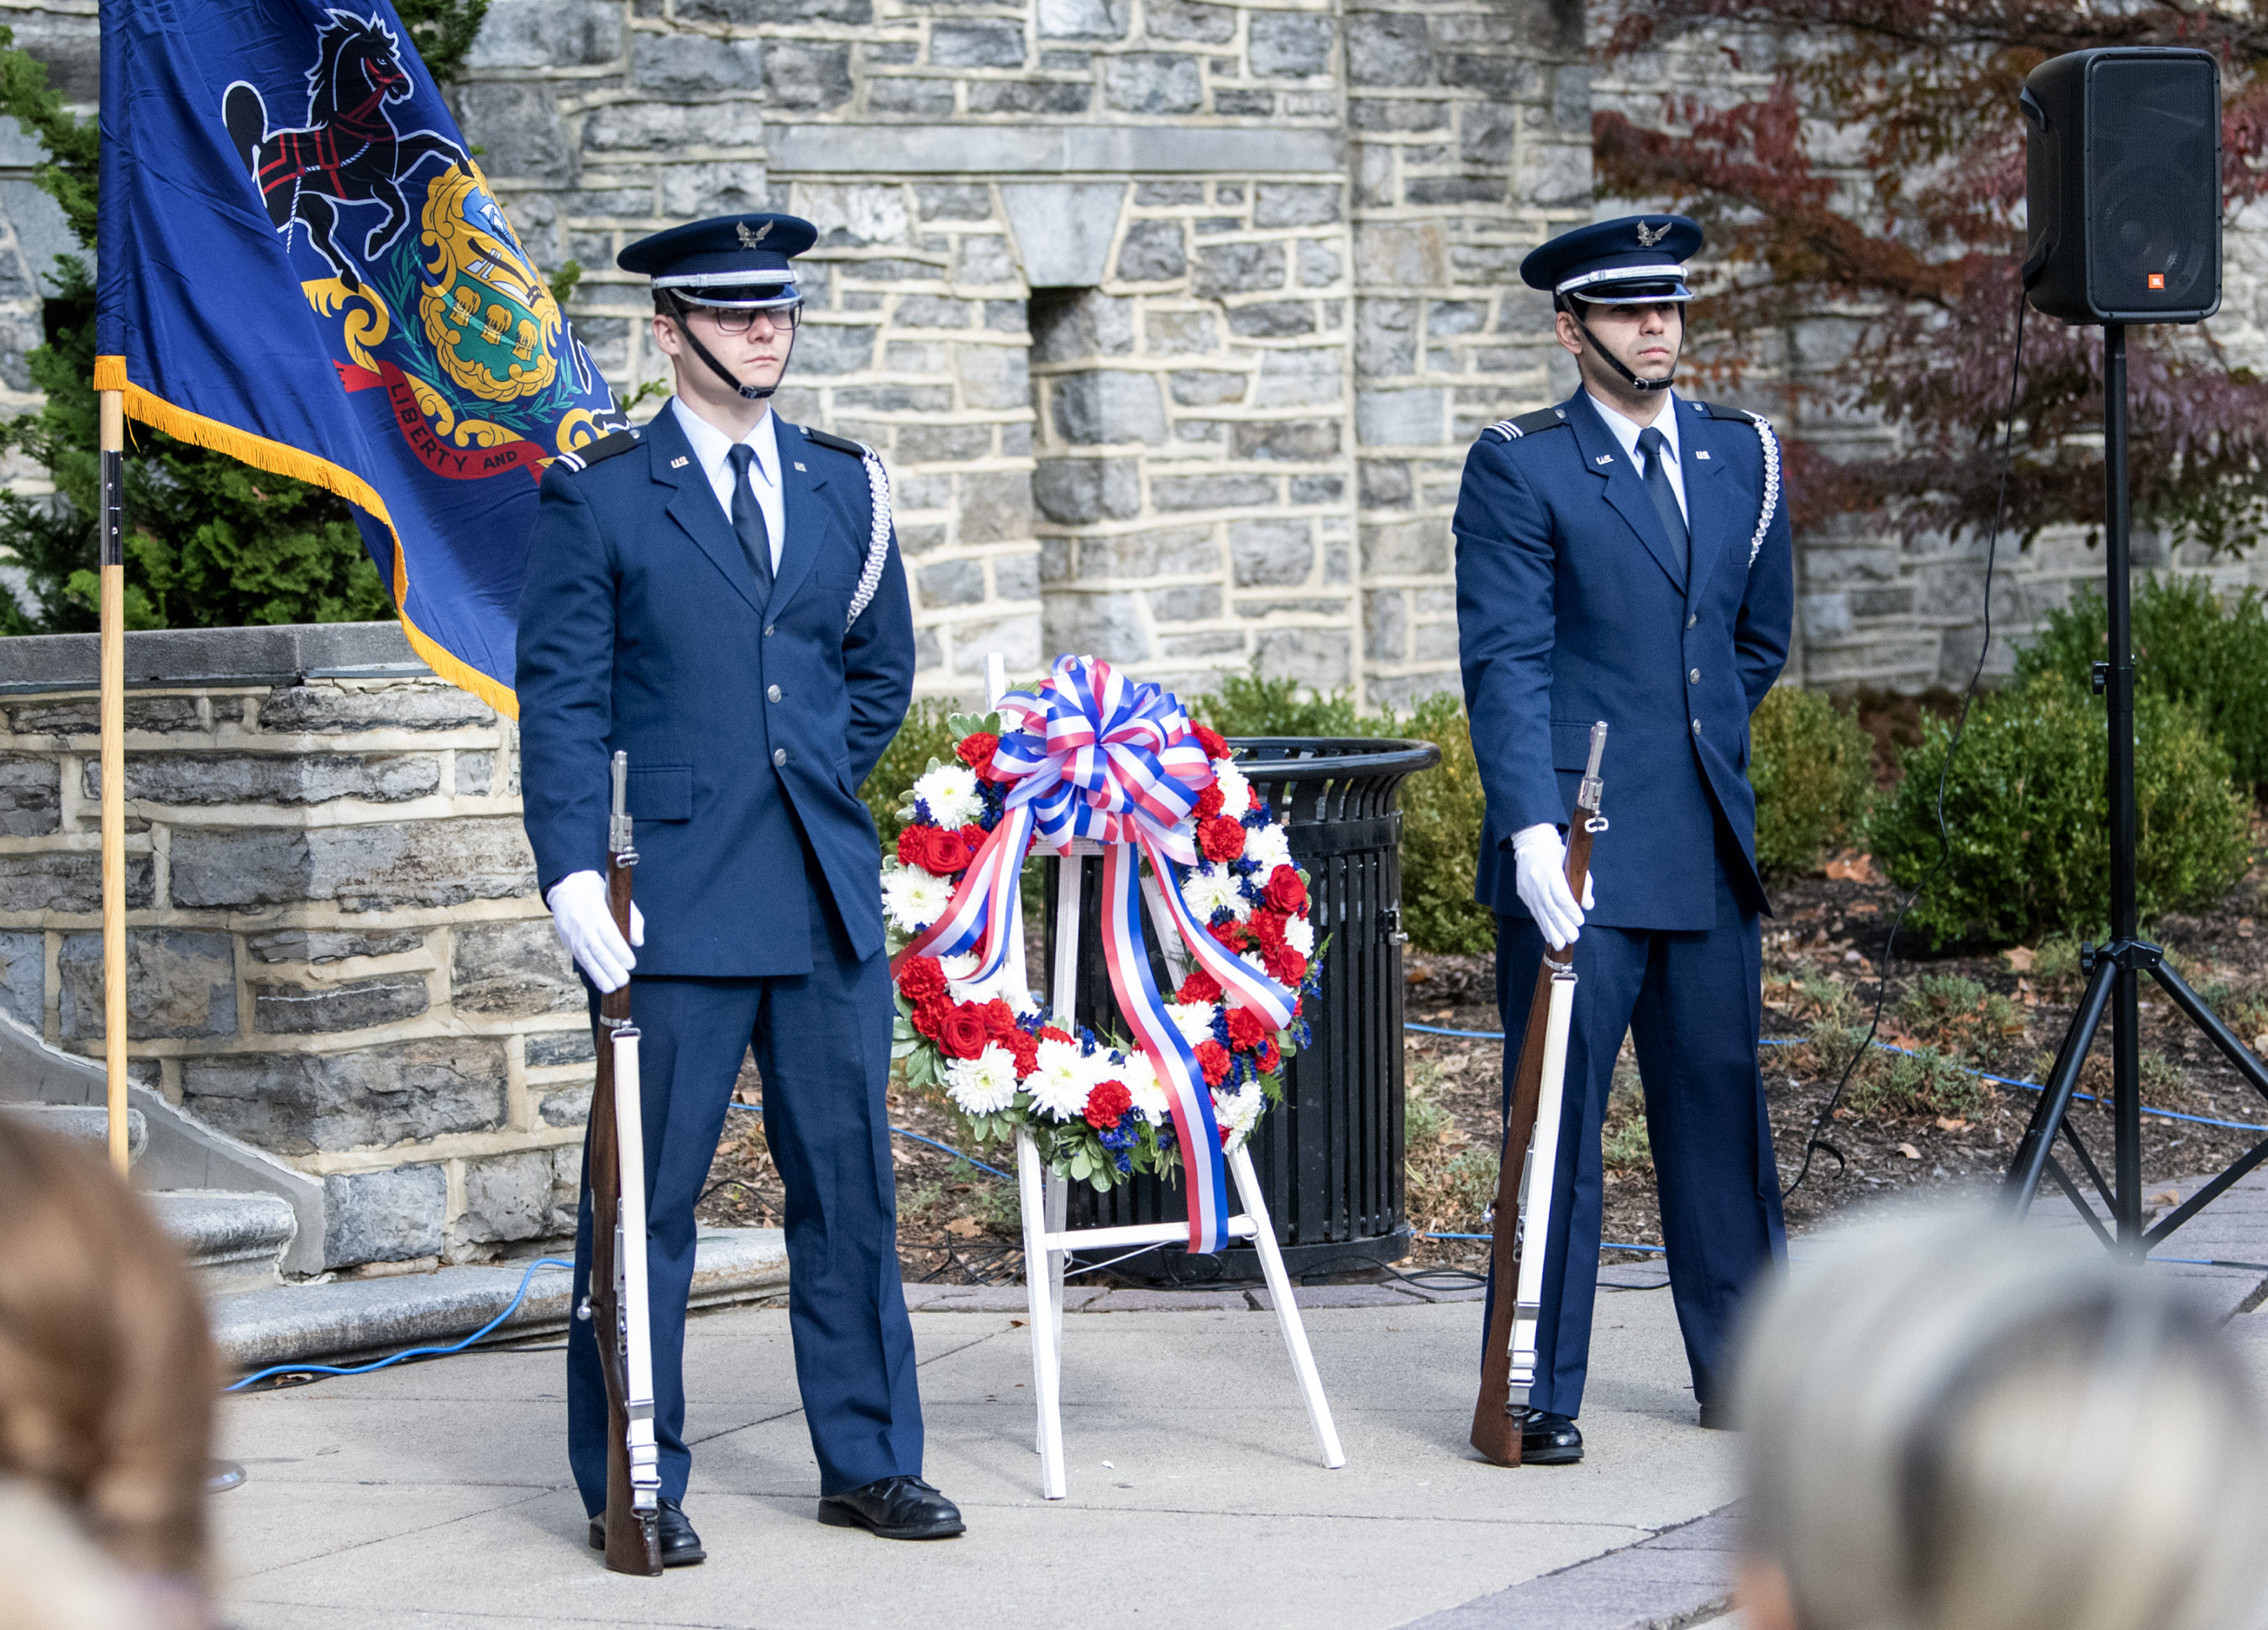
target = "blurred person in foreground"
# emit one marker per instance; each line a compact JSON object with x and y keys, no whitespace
{"x":1961,"y":1427}
{"x":107,"y":1386}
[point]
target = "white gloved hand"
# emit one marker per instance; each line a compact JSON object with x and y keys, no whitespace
{"x":1540,"y":873}
{"x":586,"y":928}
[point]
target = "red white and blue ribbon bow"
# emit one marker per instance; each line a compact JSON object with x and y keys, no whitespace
{"x":1103,"y":757}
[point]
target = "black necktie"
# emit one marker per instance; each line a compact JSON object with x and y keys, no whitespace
{"x":748,"y":517}
{"x":1651,"y":443}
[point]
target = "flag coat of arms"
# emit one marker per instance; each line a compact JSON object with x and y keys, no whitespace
{"x":302,"y":265}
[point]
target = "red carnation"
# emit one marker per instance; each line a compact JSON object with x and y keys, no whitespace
{"x":1285,"y":966}
{"x":921,"y":979}
{"x":1026,"y":1051}
{"x":1285,"y":891}
{"x":943,"y":853}
{"x":1267,"y":927}
{"x":974,"y":836}
{"x":930,"y":1015}
{"x":1270,"y":1057}
{"x":1199,"y":986}
{"x":1230,"y":934}
{"x":1220,"y":838}
{"x":999,"y":1020}
{"x":1108,"y":1103}
{"x":975,"y":750}
{"x":963,"y":1034}
{"x":913,"y":843}
{"x":1213,"y":1058}
{"x":1209,"y":803}
{"x":1054,"y":1032}
{"x":1210,"y":741}
{"x":1246,"y":1029}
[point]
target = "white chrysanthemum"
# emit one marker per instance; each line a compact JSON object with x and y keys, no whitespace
{"x":1300,"y":935}
{"x":1236,"y":791}
{"x":1211,"y":887}
{"x":1141,"y":1079}
{"x":913,"y":900}
{"x":1193,"y":1019}
{"x":950,"y":791}
{"x":1096,"y":1067}
{"x":1270,"y":848}
{"x":985,"y":1084}
{"x":1237,"y":1111}
{"x":957,"y":968}
{"x":1257,"y":963}
{"x":1058,"y":1084}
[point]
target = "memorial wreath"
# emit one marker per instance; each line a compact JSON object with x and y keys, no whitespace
{"x":1089,"y":754}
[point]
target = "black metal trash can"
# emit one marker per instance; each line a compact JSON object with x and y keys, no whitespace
{"x":1329,"y":1156}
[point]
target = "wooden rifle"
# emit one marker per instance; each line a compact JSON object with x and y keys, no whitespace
{"x":1522,"y":1212}
{"x":617,"y":1305}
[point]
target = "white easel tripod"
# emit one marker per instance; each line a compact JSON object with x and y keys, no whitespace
{"x":1045,"y":1196}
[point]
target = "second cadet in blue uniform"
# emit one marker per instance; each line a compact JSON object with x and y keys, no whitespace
{"x":1624,"y":556}
{"x":721,"y":596}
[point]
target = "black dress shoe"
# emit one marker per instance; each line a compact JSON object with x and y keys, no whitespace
{"x":1716,"y":1417}
{"x":1549,"y":1440}
{"x":680,"y":1546}
{"x":895,"y":1508}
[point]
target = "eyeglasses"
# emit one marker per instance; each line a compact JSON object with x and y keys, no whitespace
{"x":740,"y":319}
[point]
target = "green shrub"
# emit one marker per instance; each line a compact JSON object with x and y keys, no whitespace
{"x":1441,"y":812}
{"x":1813,"y":767}
{"x":2028,"y":826}
{"x":1245,"y":704}
{"x":2188,"y":646}
{"x":925,"y":734}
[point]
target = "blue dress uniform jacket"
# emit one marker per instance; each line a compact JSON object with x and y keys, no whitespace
{"x":746,"y":718}
{"x":1570,"y":608}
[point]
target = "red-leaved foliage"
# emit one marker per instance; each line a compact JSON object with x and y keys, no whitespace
{"x":1874,"y":176}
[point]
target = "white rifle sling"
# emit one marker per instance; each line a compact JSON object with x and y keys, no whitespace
{"x":878,"y":543}
{"x":636,"y":1332}
{"x":1536,"y":1181}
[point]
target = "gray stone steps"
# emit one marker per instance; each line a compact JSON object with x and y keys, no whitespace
{"x":235,"y":1241}
{"x":84,"y":1123}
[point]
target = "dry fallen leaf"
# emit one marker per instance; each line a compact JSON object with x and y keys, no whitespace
{"x":2170,"y":1197}
{"x":1909,"y":1151}
{"x":2260,"y":1044}
{"x":964,"y":1227}
{"x":1951,"y":1123}
{"x":2020,"y":958}
{"x":1851,"y":868}
{"x":2244,"y":927}
{"x":2026,"y":995}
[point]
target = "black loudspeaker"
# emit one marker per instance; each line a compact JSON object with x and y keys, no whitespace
{"x":2122,"y":179}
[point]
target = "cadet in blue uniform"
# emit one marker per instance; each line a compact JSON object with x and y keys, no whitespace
{"x":721,"y":596}
{"x":1624,"y":556}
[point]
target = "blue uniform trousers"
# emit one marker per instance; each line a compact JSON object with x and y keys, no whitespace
{"x":822,"y":1042}
{"x":1692,"y":1002}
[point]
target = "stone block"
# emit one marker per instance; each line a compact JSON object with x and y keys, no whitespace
{"x":1192,"y":602}
{"x":1075,"y":325}
{"x":1100,"y":408}
{"x":180,"y":983}
{"x":1016,"y":576}
{"x":1406,"y":549}
{"x":547,"y":33}
{"x":1454,"y":189}
{"x":1109,"y":625}
{"x":67,"y":880}
{"x":1320,"y":265}
{"x":549,"y":1049}
{"x":1181,"y":333}
{"x":377,"y":867}
{"x":1180,"y":19}
{"x":1208,"y":387}
{"x":1063,"y":229}
{"x":157,"y":715}
{"x":749,"y":13}
{"x":1219,"y":643}
{"x":31,"y":796}
{"x":1270,"y":553}
{"x":661,"y":128}
{"x":1082,"y":20}
{"x":1153,"y":82}
{"x":318,"y":1009}
{"x":298,"y":1102}
{"x":1238,"y":269}
{"x":1152,"y":252}
{"x":1167,"y":195}
{"x":1318,"y":489}
{"x":23,"y":978}
{"x":1299,"y":378}
{"x":984,"y":258}
{"x":907,"y":93}
{"x":944,"y":444}
{"x":1272,"y":319}
{"x":205,"y":778}
{"x":929,"y":311}
{"x":512,"y":970}
{"x":1486,"y":133}
{"x":1320,"y":658}
{"x":854,"y":215}
{"x":1434,"y":641}
{"x":996,"y":506}
{"x":518,"y":122}
{"x":330,"y":945}
{"x":1386,"y":338}
{"x":695,"y":190}
{"x":949,"y":583}
{"x":675,"y":66}
{"x":993,"y":376}
{"x":1389,"y":48}
{"x":384,"y":1216}
{"x":1290,"y":204}
{"x":833,"y":348}
{"x":1211,"y":492}
{"x":1170,"y":552}
{"x":507,"y":1197}
{"x":1385,"y":624}
{"x":1400,"y":255}
{"x":1498,"y":75}
{"x":1238,"y":104}
{"x":975,"y":45}
{"x":475,"y":774}
{"x":1397,"y":418}
{"x":1290,"y":45}
{"x":1296,"y":441}
{"x":323,"y":708}
{"x":1029,"y":96}
{"x":1386,"y":483}
{"x":1017,"y":639}
{"x":1078,"y":492}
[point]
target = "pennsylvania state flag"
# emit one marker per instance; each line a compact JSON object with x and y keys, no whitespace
{"x":301,"y":265}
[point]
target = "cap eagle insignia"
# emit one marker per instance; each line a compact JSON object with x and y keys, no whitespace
{"x":750,"y":240}
{"x":1647,"y":239}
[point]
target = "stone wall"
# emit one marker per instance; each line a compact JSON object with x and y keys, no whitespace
{"x":334,"y":949}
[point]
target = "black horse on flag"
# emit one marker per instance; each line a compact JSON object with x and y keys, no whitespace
{"x":349,"y":152}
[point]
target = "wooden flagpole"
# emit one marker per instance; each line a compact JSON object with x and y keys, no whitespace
{"x":114,"y":767}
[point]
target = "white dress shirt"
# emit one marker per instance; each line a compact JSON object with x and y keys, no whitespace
{"x":1627,"y":434}
{"x":711,"y":448}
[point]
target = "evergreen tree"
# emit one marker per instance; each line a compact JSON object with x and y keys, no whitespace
{"x":210,"y":542}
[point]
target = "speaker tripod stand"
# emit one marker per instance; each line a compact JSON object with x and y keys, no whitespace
{"x":2116,"y":969}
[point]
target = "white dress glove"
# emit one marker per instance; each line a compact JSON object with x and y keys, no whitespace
{"x":1540,"y":873}
{"x":586,"y":928}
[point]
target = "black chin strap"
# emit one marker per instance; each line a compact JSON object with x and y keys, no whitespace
{"x":750,"y":393}
{"x":1613,"y":361}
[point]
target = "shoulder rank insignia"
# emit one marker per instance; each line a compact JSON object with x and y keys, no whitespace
{"x":1719,"y":410}
{"x":593,"y":453}
{"x":1528,"y":424}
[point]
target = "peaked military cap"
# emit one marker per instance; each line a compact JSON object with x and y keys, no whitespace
{"x":1636,"y":260}
{"x":730,"y":259}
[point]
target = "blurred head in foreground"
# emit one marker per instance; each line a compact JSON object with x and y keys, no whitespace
{"x":106,"y":1371}
{"x":1959,"y":1426}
